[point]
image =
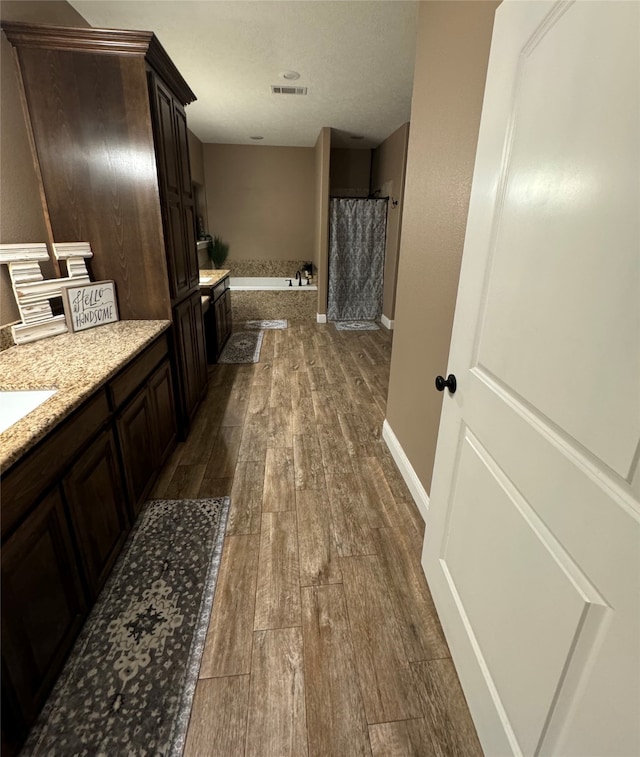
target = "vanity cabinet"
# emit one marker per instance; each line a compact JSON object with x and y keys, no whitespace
{"x":67,"y":508}
{"x":218,"y":319}
{"x":117,"y":99}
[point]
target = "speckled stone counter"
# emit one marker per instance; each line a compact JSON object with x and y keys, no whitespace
{"x":74,"y":364}
{"x":213,"y":276}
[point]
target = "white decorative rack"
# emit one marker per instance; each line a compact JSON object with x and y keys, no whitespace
{"x":33,"y":292}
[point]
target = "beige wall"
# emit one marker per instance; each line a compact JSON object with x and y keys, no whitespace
{"x":261,"y":200}
{"x":453,"y":42}
{"x":350,"y":172}
{"x":321,"y":226}
{"x":196,"y":157}
{"x":196,"y":161}
{"x":21,"y":216}
{"x":387,"y":178}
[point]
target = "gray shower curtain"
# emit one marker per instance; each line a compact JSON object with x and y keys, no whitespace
{"x":357,"y":236}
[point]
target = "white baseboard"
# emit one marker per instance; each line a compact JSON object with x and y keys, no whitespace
{"x":387,"y":322}
{"x":420,"y":496}
{"x":321,"y":317}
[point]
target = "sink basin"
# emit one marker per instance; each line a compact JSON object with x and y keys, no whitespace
{"x":15,"y":405}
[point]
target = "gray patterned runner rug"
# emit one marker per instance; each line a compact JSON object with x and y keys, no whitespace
{"x":128,"y":685}
{"x":242,"y":347}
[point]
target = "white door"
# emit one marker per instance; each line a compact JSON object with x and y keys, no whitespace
{"x":532,"y":547}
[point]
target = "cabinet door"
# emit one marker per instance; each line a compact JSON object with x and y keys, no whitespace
{"x":178,"y":264}
{"x":98,"y":509}
{"x":160,"y":387}
{"x":166,"y":148}
{"x":227,"y":314}
{"x":191,"y":355}
{"x":221,"y":317}
{"x":186,"y":194}
{"x":42,"y":604}
{"x":171,"y":142}
{"x":135,"y":432}
{"x":200,"y":346}
{"x":191,"y":244}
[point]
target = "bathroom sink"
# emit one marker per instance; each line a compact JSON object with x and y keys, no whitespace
{"x":15,"y":405}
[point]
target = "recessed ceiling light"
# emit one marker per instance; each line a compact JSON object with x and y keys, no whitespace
{"x":290,"y":75}
{"x":357,"y":136}
{"x":256,"y":138}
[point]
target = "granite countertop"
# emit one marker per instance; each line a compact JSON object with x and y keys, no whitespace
{"x":74,"y":364}
{"x":213,"y":276}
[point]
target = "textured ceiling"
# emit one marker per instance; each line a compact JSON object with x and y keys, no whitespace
{"x":354,"y":56}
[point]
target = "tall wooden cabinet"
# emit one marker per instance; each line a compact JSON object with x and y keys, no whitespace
{"x":106,"y":111}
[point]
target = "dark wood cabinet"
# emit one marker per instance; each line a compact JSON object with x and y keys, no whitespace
{"x":147,"y":433}
{"x":222,"y":307}
{"x":43,"y":605}
{"x":135,"y":431}
{"x":169,"y":159}
{"x":217,"y":319}
{"x":97,"y":507}
{"x":192,"y":350}
{"x":164,"y":429}
{"x":118,"y":99}
{"x":67,"y":508}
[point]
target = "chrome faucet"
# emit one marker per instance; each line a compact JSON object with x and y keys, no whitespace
{"x":299,"y":278}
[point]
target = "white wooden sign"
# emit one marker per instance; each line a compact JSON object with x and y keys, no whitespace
{"x":90,"y":305}
{"x":33,"y":293}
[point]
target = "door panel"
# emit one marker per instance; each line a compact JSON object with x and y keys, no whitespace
{"x":541,"y":578}
{"x":532,"y":543}
{"x":582,"y":176}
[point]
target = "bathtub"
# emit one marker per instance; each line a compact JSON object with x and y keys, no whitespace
{"x":267,"y":284}
{"x":271,"y":297}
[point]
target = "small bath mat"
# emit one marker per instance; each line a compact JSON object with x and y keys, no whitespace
{"x":242,"y":347}
{"x":277,"y":324}
{"x":356,"y":326}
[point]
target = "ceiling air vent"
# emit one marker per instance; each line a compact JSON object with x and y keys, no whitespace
{"x":278,"y":89}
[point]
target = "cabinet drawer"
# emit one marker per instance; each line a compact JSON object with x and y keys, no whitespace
{"x":24,"y":483}
{"x":130,"y":379}
{"x":219,"y":289}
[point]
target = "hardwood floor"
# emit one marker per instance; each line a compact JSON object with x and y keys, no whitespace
{"x":324,"y":639}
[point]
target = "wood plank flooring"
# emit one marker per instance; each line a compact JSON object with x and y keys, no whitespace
{"x":324,"y":639}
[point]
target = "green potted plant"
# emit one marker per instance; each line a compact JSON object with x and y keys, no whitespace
{"x":218,"y":250}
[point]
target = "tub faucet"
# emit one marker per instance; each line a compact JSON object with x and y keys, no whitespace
{"x":299,"y":278}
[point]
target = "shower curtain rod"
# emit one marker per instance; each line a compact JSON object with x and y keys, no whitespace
{"x":349,"y":197}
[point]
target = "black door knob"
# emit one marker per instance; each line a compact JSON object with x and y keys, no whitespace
{"x":449,"y":383}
